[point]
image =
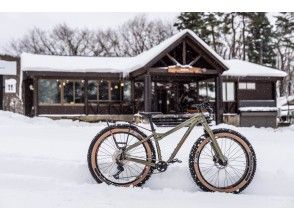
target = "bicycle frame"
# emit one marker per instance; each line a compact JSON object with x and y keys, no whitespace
{"x":198,"y":118}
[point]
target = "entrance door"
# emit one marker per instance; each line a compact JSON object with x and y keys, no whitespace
{"x":166,"y":96}
{"x":1,"y":92}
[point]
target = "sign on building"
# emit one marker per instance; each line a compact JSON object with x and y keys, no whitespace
{"x":7,"y":67}
{"x":10,"y":86}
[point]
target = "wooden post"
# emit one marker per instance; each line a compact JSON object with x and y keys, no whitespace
{"x":35,"y":95}
{"x":86,"y":96}
{"x":147,"y":92}
{"x":236,"y":96}
{"x":133,"y":95}
{"x":218,"y":100}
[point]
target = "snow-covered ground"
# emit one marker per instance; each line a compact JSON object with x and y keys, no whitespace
{"x":43,"y":164}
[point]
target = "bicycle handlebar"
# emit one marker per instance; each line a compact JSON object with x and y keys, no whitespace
{"x":204,"y":106}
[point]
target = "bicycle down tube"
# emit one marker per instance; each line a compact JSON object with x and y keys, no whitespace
{"x":190,"y":123}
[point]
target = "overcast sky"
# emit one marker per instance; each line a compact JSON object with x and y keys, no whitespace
{"x":15,"y":25}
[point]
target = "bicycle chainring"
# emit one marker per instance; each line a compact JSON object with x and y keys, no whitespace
{"x":161,"y":166}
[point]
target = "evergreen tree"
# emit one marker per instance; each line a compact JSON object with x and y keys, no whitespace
{"x":206,"y":25}
{"x":260,"y":40}
{"x":284,"y":44}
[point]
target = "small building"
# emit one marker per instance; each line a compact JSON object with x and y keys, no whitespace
{"x":170,"y":78}
{"x":9,"y":84}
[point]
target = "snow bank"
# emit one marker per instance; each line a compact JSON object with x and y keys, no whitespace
{"x":258,"y":109}
{"x":43,"y":164}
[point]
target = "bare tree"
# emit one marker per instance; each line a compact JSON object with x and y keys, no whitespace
{"x":131,"y":38}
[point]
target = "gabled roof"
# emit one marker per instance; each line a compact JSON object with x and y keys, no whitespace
{"x":241,"y":68}
{"x":125,"y":65}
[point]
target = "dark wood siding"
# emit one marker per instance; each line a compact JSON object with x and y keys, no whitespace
{"x":263,"y":91}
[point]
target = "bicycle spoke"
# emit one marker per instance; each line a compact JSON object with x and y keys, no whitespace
{"x":216,"y":174}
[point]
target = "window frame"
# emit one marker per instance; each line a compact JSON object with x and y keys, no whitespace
{"x":97,"y":83}
{"x":225,"y":92}
{"x":62,"y":102}
{"x":246,"y":85}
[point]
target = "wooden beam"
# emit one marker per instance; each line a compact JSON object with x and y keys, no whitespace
{"x":184,"y":53}
{"x":194,"y":61}
{"x":173,"y":59}
{"x":206,"y":57}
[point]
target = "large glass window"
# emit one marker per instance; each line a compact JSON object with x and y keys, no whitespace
{"x":228,"y":91}
{"x":127,"y":88}
{"x":92,"y":90}
{"x":49,"y":91}
{"x":73,"y":92}
{"x":68,"y":95}
{"x":115,"y":91}
{"x":206,"y":91}
{"x":103,"y":90}
{"x":79,"y":91}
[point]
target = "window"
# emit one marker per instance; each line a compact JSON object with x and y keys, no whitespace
{"x":92,"y":90}
{"x":206,"y":91}
{"x":73,"y":92}
{"x":251,"y":86}
{"x":228,"y":91}
{"x":247,"y":86}
{"x":103,"y":90}
{"x":79,"y":91}
{"x":68,"y":89}
{"x":115,"y":91}
{"x":49,"y":91}
{"x":10,"y":86}
{"x":127,"y":87}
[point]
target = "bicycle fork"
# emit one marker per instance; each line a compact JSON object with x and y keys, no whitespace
{"x":221,"y":159}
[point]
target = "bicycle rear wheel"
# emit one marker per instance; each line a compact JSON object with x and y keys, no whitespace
{"x":106,"y":148}
{"x":234,"y":177}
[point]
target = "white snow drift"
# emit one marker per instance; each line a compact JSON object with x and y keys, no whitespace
{"x":43,"y":164}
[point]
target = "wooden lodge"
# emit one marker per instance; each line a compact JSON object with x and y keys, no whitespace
{"x":170,"y":78}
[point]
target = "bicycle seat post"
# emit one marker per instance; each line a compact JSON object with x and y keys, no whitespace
{"x":151,"y":123}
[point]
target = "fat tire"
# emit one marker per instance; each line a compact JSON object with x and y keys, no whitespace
{"x":198,"y":144}
{"x":96,"y":175}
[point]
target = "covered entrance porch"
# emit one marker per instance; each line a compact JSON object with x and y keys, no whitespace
{"x":185,"y":73}
{"x":178,"y":94}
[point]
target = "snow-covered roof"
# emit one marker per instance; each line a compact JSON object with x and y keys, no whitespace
{"x":243,"y":68}
{"x":125,"y":65}
{"x":33,"y":62}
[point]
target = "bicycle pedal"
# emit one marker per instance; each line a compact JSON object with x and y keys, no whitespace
{"x":175,"y":161}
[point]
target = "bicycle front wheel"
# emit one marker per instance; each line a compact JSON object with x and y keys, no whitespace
{"x":236,"y":175}
{"x":106,"y":148}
